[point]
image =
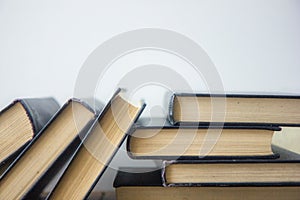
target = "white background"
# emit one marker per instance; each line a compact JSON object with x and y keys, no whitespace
{"x":255,"y":45}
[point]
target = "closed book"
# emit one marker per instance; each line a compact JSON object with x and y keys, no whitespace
{"x":249,"y":172}
{"x":146,"y":184}
{"x":171,"y":142}
{"x":97,"y":149}
{"x":20,"y":122}
{"x":279,"y":110}
{"x":42,"y":158}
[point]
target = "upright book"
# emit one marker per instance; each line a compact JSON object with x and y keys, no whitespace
{"x":97,"y":149}
{"x":21,"y":121}
{"x":52,"y":146}
{"x":193,"y":142}
{"x":146,"y":184}
{"x":276,"y":110}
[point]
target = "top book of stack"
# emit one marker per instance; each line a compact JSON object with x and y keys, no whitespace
{"x":277,"y":110}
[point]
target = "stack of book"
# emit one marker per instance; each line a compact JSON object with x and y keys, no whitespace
{"x":211,"y":159}
{"x":201,"y":157}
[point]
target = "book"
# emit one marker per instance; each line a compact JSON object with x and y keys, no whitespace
{"x":146,"y":184}
{"x":20,"y":121}
{"x":53,"y":146}
{"x":97,"y":149}
{"x":278,"y":110}
{"x":251,"y":172}
{"x":171,"y":142}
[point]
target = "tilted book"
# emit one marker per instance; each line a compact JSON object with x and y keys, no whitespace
{"x":47,"y":152}
{"x":97,"y":149}
{"x":20,"y":122}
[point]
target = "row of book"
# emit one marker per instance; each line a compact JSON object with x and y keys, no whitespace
{"x":38,"y":140}
{"x":202,"y":157}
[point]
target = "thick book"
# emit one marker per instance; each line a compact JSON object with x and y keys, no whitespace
{"x":97,"y":149}
{"x":253,"y":172}
{"x":20,"y":122}
{"x":277,"y":110}
{"x":146,"y":184}
{"x":53,"y":146}
{"x":169,"y":142}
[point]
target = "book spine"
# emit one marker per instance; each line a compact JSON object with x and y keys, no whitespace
{"x":39,"y":111}
{"x":165,"y":164}
{"x":171,"y":110}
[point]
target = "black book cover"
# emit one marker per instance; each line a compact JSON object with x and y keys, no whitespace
{"x":45,"y":178}
{"x":173,"y":121}
{"x":39,"y":112}
{"x":160,"y":123}
{"x":138,"y":177}
{"x":286,"y":156}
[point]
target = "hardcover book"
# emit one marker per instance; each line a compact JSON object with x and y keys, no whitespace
{"x":146,"y":184}
{"x":97,"y":149}
{"x":42,"y":157}
{"x":196,"y":142}
{"x":278,"y":110}
{"x":20,"y":122}
{"x":251,"y":172}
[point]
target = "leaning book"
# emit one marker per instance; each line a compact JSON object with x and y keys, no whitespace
{"x":53,"y":145}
